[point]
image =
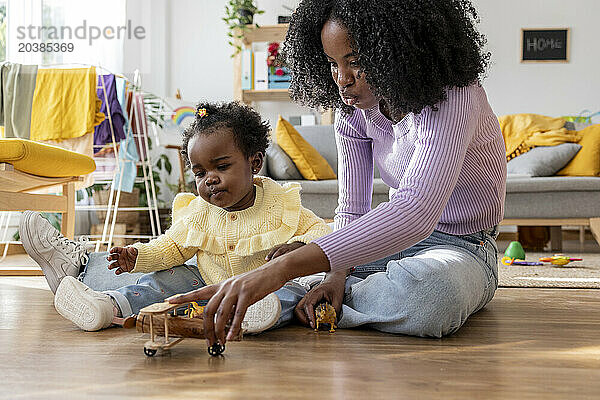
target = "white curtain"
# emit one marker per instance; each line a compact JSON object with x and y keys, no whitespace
{"x":88,"y":29}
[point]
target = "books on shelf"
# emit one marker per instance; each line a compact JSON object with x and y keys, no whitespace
{"x":247,"y":77}
{"x":257,"y":75}
{"x":279,"y":78}
{"x":261,"y":71}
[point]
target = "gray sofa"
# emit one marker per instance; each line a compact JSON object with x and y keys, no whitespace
{"x":547,"y":201}
{"x":322,"y":196}
{"x":553,"y":201}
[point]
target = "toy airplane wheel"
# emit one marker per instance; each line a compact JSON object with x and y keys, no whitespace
{"x":216,"y":349}
{"x":149,"y":352}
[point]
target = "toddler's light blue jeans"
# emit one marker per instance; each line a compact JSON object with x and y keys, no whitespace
{"x":132,"y":292}
{"x":429,"y":289}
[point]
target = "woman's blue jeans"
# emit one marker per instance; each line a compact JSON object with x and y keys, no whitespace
{"x":429,"y":289}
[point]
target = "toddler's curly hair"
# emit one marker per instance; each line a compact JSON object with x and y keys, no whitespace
{"x":410,"y":50}
{"x":250,"y":132}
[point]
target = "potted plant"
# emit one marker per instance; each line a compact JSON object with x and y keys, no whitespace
{"x":239,"y":14}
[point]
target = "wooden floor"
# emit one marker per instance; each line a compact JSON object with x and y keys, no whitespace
{"x":526,"y":344}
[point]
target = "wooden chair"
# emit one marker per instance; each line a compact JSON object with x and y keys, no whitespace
{"x":27,"y":166}
{"x":17,"y":193}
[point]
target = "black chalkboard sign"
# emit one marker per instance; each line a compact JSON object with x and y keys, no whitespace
{"x":545,"y":45}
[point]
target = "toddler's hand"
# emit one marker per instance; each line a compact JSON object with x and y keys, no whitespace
{"x":282,"y":249}
{"x":124,"y":259}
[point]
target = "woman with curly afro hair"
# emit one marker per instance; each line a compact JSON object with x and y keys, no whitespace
{"x":404,"y":78}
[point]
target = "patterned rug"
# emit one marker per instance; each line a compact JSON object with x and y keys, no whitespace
{"x":578,"y":274}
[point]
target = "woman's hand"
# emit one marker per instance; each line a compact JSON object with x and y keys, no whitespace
{"x":124,"y":259}
{"x":330,"y":290}
{"x":231,"y":298}
{"x":282,"y":249}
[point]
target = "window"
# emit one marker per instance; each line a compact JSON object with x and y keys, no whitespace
{"x":2,"y":30}
{"x":65,"y":31}
{"x":52,"y":15}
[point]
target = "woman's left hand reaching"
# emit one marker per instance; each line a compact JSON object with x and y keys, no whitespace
{"x":230,"y":299}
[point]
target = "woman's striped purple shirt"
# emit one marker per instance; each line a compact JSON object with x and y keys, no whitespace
{"x":446,"y":168}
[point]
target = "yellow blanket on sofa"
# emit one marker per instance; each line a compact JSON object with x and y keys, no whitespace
{"x":522,"y":132}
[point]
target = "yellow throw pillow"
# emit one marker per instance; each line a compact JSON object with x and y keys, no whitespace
{"x":43,"y":159}
{"x":309,"y":162}
{"x":587,"y":160}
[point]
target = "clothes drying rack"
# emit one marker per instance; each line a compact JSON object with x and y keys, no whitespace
{"x":157,"y":109}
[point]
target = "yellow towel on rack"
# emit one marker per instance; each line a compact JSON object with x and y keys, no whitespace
{"x":65,"y":104}
{"x":522,"y":132}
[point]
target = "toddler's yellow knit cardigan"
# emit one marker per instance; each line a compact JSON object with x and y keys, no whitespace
{"x":230,"y":243}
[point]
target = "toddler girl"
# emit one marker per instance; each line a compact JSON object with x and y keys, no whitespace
{"x":236,"y":224}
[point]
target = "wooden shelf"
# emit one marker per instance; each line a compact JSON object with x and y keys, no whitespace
{"x":266,"y":33}
{"x":265,"y":95}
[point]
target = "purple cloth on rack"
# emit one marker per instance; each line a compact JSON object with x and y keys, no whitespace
{"x":102,"y":132}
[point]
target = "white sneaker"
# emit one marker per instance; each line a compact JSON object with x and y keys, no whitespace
{"x":86,"y":308}
{"x":262,"y":315}
{"x":57,"y":255}
{"x":310,"y":281}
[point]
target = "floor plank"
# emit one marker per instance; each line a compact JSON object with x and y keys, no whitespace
{"x":527,"y":343}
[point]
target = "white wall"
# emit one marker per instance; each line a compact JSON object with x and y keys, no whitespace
{"x":150,"y":56}
{"x":190,"y":52}
{"x":200,"y":55}
{"x":545,"y":88}
{"x":193,"y":54}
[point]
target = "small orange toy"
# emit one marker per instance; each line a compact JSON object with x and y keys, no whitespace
{"x":559,"y":259}
{"x":325,"y":314}
{"x":194,"y":310}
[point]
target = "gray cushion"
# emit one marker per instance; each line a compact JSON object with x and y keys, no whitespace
{"x":552,"y":197}
{"x":321,"y":197}
{"x":280,"y":164}
{"x":543,"y":160}
{"x":331,"y":186}
{"x":553,"y":184}
{"x":567,"y":204}
{"x":322,"y":138}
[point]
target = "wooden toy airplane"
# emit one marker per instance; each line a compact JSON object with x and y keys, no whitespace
{"x":159,"y":320}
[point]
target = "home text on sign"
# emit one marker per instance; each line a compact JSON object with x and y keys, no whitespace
{"x":545,"y":44}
